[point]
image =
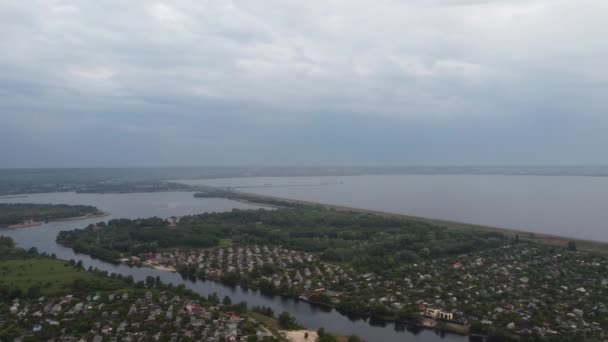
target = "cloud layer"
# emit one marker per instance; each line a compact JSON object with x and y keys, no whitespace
{"x":303,"y":82}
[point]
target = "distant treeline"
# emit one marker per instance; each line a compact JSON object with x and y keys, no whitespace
{"x":17,"y":213}
{"x":210,"y":192}
{"x":19,"y":181}
{"x":365,"y":241}
{"x":133,"y":187}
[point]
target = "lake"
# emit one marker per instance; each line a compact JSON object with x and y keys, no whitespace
{"x":571,"y":206}
{"x":166,"y":204}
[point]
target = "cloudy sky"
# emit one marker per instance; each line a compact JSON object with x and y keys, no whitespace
{"x":285,"y":82}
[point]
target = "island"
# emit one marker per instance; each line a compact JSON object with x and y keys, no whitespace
{"x":441,"y":277}
{"x":19,"y":215}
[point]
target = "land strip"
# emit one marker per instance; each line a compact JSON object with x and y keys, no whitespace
{"x":546,"y":239}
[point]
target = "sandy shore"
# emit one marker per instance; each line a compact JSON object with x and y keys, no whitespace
{"x":162,"y":268}
{"x":38,"y":223}
{"x":83,"y":217}
{"x":298,"y":335}
{"x":24,"y":225}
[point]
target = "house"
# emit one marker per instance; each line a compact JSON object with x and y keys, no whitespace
{"x":106,"y":330}
{"x":233,"y":317}
{"x":439,"y":314}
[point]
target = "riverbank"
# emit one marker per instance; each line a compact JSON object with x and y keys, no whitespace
{"x":24,"y":225}
{"x":12,"y":196}
{"x":160,"y":267}
{"x":545,"y":239}
{"x":39,"y":223}
{"x":300,"y":335}
{"x":83,"y":217}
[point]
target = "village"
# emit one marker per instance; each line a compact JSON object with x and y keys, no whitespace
{"x":272,"y":268}
{"x":127,"y":316}
{"x":521,"y":289}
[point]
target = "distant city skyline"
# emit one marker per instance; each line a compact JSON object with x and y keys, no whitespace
{"x":344,"y":83}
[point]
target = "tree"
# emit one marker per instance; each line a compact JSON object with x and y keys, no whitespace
{"x":287,"y":321}
{"x":327,"y":338}
{"x":34,"y":291}
{"x":354,"y":338}
{"x":227,"y":301}
{"x":150,"y":281}
{"x":571,"y":245}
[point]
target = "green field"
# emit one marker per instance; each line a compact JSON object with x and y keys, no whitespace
{"x":224,"y":243}
{"x":51,"y":276}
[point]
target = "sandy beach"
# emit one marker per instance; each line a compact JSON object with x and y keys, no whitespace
{"x":24,"y":225}
{"x":163,"y":268}
{"x":298,"y":335}
{"x":38,"y":223}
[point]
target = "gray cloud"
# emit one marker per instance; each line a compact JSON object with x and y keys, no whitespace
{"x":302,"y":82}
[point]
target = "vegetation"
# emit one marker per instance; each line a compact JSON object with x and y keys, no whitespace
{"x":37,"y":276}
{"x":324,"y":336}
{"x":42,"y":298}
{"x":382,"y":266}
{"x":364,"y":241}
{"x":287,"y":321}
{"x":210,"y":192}
{"x":18,"y":213}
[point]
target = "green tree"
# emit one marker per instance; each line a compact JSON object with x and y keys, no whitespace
{"x":287,"y":321}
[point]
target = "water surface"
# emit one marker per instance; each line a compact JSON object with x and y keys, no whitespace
{"x":571,"y":206}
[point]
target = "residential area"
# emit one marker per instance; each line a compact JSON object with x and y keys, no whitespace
{"x":521,"y":289}
{"x":127,"y":316}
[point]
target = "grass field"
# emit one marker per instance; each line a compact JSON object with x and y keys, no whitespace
{"x":225,"y":243}
{"x":52,"y":276}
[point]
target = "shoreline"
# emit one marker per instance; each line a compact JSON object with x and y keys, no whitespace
{"x":161,"y":267}
{"x":39,"y":223}
{"x":12,"y":196}
{"x":83,"y":217}
{"x":24,"y":225}
{"x":543,"y":238}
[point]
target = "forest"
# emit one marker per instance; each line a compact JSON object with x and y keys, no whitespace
{"x":18,"y":213}
{"x":364,"y":241}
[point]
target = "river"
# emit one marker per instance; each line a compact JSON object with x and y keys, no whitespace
{"x":166,"y":204}
{"x":570,"y":206}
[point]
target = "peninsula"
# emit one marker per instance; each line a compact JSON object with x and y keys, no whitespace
{"x":20,"y":215}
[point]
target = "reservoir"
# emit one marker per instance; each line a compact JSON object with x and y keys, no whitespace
{"x":570,"y":206}
{"x":166,"y":204}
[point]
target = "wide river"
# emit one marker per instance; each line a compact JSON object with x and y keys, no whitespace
{"x":168,"y":204}
{"x":570,"y":206}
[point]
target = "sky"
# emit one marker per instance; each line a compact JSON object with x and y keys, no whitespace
{"x":292,"y":83}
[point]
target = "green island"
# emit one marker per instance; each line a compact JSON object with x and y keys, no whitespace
{"x":46,"y":299}
{"x":459,"y":280}
{"x":15,"y":215}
